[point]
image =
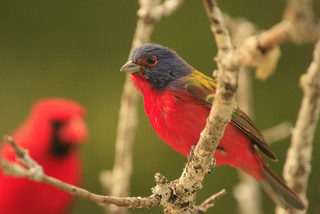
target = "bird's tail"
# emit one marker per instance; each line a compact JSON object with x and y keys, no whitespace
{"x":278,"y":191}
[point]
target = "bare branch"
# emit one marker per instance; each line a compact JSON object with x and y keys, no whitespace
{"x":204,"y":206}
{"x":218,"y":27}
{"x":278,"y":132}
{"x":32,"y":171}
{"x":35,"y":170}
{"x":262,"y":52}
{"x":117,"y":181}
{"x":246,"y":190}
{"x":156,"y":9}
{"x":297,"y":167}
{"x":163,"y":187}
{"x":298,"y":26}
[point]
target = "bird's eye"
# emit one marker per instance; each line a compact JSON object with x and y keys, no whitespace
{"x":152,"y":60}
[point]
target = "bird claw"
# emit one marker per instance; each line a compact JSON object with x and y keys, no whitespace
{"x":213,"y":162}
{"x":190,"y":155}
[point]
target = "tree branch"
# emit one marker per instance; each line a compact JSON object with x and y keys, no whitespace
{"x":27,"y":167}
{"x":204,"y":206}
{"x":298,"y":26}
{"x":33,"y":171}
{"x":298,"y":164}
{"x":261,"y":51}
{"x":278,"y":132}
{"x":117,"y":181}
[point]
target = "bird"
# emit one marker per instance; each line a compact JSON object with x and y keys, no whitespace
{"x":178,"y":99}
{"x":52,"y":133}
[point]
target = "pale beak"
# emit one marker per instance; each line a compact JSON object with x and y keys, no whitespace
{"x":131,"y":67}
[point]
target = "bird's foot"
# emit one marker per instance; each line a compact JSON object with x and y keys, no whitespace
{"x":190,"y":155}
{"x":212,"y":164}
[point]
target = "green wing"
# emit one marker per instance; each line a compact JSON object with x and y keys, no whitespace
{"x":203,"y":87}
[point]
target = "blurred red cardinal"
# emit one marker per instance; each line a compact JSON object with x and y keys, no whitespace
{"x":178,"y":99}
{"x":51,"y":133}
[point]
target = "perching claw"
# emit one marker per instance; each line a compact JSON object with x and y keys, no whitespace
{"x":190,"y":155}
{"x":213,"y":162}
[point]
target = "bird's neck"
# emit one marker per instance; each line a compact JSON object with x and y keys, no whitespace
{"x":153,"y":98}
{"x":141,"y":83}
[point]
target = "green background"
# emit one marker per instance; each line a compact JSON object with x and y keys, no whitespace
{"x":74,"y":49}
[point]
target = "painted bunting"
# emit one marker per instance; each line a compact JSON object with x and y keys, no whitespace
{"x":51,"y":133}
{"x":178,"y":98}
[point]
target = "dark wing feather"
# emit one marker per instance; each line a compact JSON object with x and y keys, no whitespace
{"x":203,"y":88}
{"x":242,"y":121}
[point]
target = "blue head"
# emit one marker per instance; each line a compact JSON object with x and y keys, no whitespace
{"x":159,"y":65}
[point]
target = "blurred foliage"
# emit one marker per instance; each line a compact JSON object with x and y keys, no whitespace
{"x":74,"y":49}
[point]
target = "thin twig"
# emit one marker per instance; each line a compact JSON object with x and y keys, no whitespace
{"x":278,"y":132}
{"x":298,"y":163}
{"x":117,"y":181}
{"x":35,"y":170}
{"x":204,"y":206}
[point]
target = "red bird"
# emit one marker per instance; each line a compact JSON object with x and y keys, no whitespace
{"x":52,"y":132}
{"x":178,"y":99}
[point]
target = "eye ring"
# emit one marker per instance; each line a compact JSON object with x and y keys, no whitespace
{"x":152,"y":60}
